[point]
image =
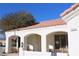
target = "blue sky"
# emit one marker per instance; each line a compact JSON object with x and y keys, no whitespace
{"x":40,"y":11}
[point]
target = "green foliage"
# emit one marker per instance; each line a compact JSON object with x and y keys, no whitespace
{"x":17,"y":20}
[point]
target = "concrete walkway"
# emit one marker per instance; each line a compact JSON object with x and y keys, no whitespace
{"x":12,"y":54}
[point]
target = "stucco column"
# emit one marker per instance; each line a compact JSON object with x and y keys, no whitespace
{"x":21,"y":46}
{"x":43,"y":43}
{"x":7,"y":45}
{"x":17,"y":42}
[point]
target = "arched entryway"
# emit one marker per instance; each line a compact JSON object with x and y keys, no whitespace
{"x":14,"y":44}
{"x":57,"y":41}
{"x":32,"y":42}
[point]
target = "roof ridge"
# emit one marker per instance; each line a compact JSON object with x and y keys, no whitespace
{"x":74,"y":6}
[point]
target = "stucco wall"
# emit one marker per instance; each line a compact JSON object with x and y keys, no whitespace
{"x":40,"y":31}
{"x":73,"y":28}
{"x":72,"y":20}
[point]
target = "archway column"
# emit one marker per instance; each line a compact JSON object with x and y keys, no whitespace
{"x":16,"y":42}
{"x":43,"y":42}
{"x":7,"y":45}
{"x":21,"y":46}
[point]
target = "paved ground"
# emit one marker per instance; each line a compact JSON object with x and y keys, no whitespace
{"x":10,"y":54}
{"x":2,"y":49}
{"x":13,"y":54}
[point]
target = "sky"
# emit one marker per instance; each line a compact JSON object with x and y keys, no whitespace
{"x":40,"y":11}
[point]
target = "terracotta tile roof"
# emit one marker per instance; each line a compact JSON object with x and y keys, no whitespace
{"x":44,"y":24}
{"x":69,"y":9}
{"x":48,"y":23}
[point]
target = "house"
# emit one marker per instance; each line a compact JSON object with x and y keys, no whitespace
{"x":2,"y":42}
{"x":54,"y":37}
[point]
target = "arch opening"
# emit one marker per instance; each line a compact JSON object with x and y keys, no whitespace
{"x":32,"y":42}
{"x":57,"y":42}
{"x":14,"y":44}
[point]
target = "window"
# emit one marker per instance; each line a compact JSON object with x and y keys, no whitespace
{"x":61,"y":41}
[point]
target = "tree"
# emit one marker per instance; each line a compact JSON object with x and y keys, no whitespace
{"x":17,"y":20}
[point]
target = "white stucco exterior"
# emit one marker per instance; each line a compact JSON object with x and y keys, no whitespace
{"x":71,"y":28}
